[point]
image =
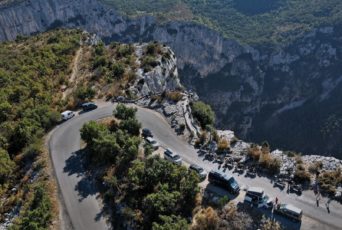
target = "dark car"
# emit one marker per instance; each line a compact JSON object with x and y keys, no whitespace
{"x":146,"y":133}
{"x":88,"y":106}
{"x":199,"y":170}
{"x":227,"y":182}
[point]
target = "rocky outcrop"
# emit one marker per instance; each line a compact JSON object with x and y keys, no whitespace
{"x":162,"y":78}
{"x":288,"y":95}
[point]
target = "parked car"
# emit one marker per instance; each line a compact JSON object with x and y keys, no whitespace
{"x":251,"y":172}
{"x":289,"y":211}
{"x":146,"y":133}
{"x":227,"y":182}
{"x":199,"y":170}
{"x":119,"y":99}
{"x":201,"y":152}
{"x":256,"y":196}
{"x":240,"y":168}
{"x":171,"y":156}
{"x":66,"y":115}
{"x":280,"y":183}
{"x":88,"y":106}
{"x":152,"y":142}
{"x":295,"y":188}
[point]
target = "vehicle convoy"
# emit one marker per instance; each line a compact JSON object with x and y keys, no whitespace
{"x":199,"y":170}
{"x":66,"y":115}
{"x":88,"y":106}
{"x":222,"y":180}
{"x":256,"y":196}
{"x":152,"y":142}
{"x":173,"y":157}
{"x":289,"y":211}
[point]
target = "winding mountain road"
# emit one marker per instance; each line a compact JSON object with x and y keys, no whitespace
{"x":81,"y":199}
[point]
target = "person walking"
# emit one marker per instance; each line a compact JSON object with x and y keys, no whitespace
{"x":327,"y":205}
{"x":317,"y":200}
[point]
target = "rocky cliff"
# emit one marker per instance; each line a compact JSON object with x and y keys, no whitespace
{"x":289,"y":96}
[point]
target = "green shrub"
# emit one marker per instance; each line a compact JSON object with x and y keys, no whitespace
{"x":39,"y":215}
{"x":203,"y":113}
{"x":117,"y":70}
{"x":99,"y":61}
{"x":6,"y":166}
{"x":123,"y":112}
{"x":148,"y":63}
{"x":124,"y":50}
{"x":131,"y":125}
{"x":85,"y":93}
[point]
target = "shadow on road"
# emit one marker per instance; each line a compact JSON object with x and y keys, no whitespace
{"x":258,"y":213}
{"x":217,"y":191}
{"x":76,"y":165}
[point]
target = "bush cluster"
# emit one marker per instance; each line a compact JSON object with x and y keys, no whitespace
{"x":203,"y":113}
{"x":157,"y":193}
{"x":301,"y":175}
{"x":329,"y":180}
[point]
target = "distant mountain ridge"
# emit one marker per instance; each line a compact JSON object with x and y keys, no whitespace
{"x":267,"y":22}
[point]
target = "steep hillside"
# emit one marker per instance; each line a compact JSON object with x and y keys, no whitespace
{"x":290,"y":97}
{"x":41,"y":76}
{"x":31,"y":71}
{"x":248,"y":21}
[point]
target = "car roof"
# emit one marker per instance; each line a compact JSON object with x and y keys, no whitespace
{"x":150,"y":139}
{"x":194,"y":166}
{"x":66,"y":112}
{"x":222,"y":174}
{"x":292,"y":208}
{"x":255,"y":190}
{"x":88,"y":103}
{"x":168,"y":150}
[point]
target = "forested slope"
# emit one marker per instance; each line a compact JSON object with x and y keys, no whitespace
{"x":247,"y":21}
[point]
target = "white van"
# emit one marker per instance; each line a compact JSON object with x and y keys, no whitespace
{"x":66,"y":115}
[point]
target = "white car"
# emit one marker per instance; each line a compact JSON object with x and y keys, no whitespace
{"x":66,"y":115}
{"x":257,"y":197}
{"x":152,"y":142}
{"x":170,"y":156}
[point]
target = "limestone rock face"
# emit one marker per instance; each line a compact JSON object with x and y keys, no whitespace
{"x":162,"y":78}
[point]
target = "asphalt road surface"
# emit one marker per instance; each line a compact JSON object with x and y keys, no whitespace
{"x":81,"y":198}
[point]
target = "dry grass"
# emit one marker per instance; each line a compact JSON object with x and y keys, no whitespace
{"x":174,"y":96}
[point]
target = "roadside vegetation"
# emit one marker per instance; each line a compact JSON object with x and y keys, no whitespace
{"x":267,"y":22}
{"x":31,"y":72}
{"x":262,"y":156}
{"x":104,"y":72}
{"x":329,"y":180}
{"x":144,"y":191}
{"x":152,"y":193}
{"x":203,"y":114}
